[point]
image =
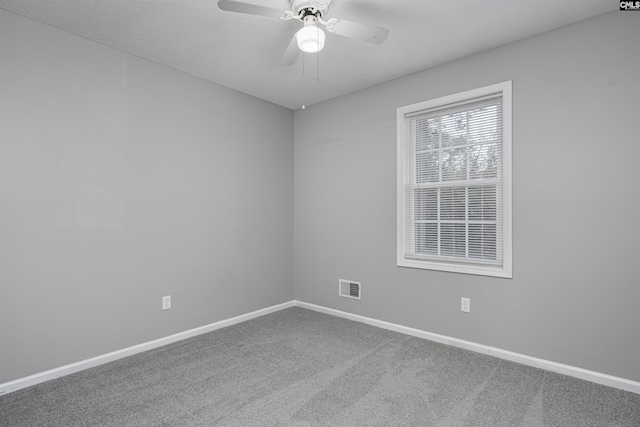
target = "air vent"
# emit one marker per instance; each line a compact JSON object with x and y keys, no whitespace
{"x":349,"y":289}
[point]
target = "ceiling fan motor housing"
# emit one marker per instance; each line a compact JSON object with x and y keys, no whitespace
{"x":303,"y":8}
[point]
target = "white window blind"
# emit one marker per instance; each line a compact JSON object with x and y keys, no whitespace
{"x":452,"y":184}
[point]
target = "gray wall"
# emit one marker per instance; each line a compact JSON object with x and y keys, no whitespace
{"x":123,"y":181}
{"x":575,"y":293}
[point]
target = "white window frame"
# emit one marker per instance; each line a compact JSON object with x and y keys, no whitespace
{"x":505,"y":216}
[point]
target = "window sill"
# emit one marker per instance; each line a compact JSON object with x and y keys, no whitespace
{"x":480,"y":270}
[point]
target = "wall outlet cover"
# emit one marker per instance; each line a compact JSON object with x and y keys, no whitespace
{"x":465,"y":305}
{"x":166,"y":302}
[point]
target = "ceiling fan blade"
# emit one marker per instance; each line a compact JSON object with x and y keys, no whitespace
{"x":251,"y":9}
{"x":363,"y":32}
{"x":290,"y":55}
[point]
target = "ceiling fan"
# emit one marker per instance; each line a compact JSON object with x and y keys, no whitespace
{"x":310,"y":38}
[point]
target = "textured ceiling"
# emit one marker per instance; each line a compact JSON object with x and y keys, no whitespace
{"x":243,"y":51}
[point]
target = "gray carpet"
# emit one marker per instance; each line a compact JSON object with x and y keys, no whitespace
{"x":301,"y":368}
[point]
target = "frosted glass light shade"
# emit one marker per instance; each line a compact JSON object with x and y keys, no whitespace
{"x":310,"y":39}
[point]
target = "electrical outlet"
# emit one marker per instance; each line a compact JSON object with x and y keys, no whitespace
{"x":166,"y":302}
{"x":465,"y":305}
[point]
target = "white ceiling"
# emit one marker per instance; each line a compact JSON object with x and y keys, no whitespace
{"x":242,"y":51}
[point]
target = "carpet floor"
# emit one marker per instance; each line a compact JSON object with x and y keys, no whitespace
{"x":297,"y":367}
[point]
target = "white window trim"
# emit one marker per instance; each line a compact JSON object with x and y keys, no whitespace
{"x":504,"y":270}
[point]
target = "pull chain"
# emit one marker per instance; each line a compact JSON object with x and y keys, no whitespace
{"x":303,"y":85}
{"x":304,"y":106}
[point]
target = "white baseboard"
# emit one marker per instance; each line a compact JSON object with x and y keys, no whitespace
{"x":596,"y":377}
{"x":572,"y":371}
{"x":41,"y":377}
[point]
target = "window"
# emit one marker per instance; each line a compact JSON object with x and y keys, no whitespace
{"x":454,"y":183}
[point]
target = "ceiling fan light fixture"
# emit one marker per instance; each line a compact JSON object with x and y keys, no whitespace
{"x":310,"y":37}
